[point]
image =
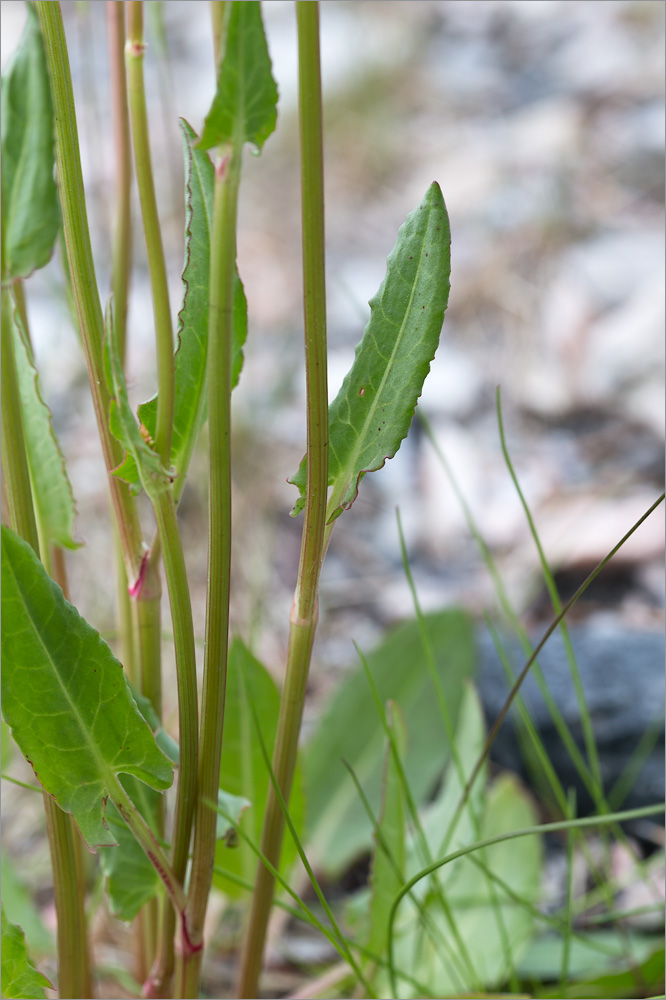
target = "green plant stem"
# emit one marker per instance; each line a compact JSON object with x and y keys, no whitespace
{"x":122,"y":236}
{"x":303,"y":618}
{"x":74,"y":979}
{"x":14,"y":459}
{"x":134,"y":51}
{"x":80,"y":261}
{"x":73,"y":963}
{"x":218,"y":10}
{"x":222,"y":262}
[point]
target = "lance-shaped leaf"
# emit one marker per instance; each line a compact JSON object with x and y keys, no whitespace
{"x":51,"y":489}
{"x":65,"y":697}
{"x":30,"y":209}
{"x":190,"y":357}
{"x":244,"y":108}
{"x":142,"y":465}
{"x":371,"y":414}
{"x":387,"y":874}
{"x":19,"y":976}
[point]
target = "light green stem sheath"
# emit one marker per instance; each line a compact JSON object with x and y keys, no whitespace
{"x":73,"y":966}
{"x":134,"y":51}
{"x":223,"y":258}
{"x":217,"y":14}
{"x":122,"y":237}
{"x":303,"y":618}
{"x":84,"y":282}
{"x":183,"y":632}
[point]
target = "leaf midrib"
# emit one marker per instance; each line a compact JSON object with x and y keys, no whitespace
{"x":352,"y":462}
{"x":108,"y":774}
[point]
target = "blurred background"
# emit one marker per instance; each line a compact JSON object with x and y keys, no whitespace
{"x":543,"y":122}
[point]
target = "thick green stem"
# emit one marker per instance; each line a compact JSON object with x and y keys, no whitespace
{"x":223,"y":258}
{"x":84,"y":282}
{"x":122,"y":236}
{"x":14,"y":459}
{"x":159,"y":981}
{"x":217,"y":15}
{"x":303,"y":618}
{"x":74,"y":978}
{"x":134,"y":51}
{"x":183,"y":632}
{"x":73,"y":965}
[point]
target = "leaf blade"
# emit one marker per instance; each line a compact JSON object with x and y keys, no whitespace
{"x":192,"y":338}
{"x":373,"y":410}
{"x":19,"y":976}
{"x":30,"y":207}
{"x":66,"y":699}
{"x":244,"y":108}
{"x":51,"y":488}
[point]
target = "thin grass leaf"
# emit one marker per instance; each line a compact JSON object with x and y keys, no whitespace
{"x":65,"y":697}
{"x":30,"y":207}
{"x":244,"y":108}
{"x":389,"y":853}
{"x":372,"y":413}
{"x":19,"y":976}
{"x":51,"y":489}
{"x":192,"y":339}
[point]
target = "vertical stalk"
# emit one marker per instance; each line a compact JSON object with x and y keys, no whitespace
{"x":82,"y":271}
{"x":134,"y":51}
{"x":159,"y":981}
{"x":217,"y":14}
{"x":74,"y":979}
{"x":222,"y":261}
{"x":122,"y":236}
{"x":303,"y":618}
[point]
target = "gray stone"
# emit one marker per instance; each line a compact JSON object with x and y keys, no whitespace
{"x":622,"y":674}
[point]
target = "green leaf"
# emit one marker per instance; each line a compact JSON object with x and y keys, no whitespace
{"x":131,"y":880}
{"x":371,"y":414}
{"x":20,"y":908}
{"x":494,"y":927}
{"x":596,"y":954}
{"x":244,"y":108}
{"x":190,"y":357}
{"x":20,"y":979}
{"x":30,"y":208}
{"x":437,"y":815}
{"x":243,"y":771}
{"x":621,"y":984}
{"x":388,"y":860}
{"x":351,"y":729}
{"x":142,"y":463}
{"x":65,"y":697}
{"x":51,"y":489}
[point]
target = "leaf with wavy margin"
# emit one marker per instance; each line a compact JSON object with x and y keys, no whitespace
{"x":66,"y":699}
{"x":371,"y":414}
{"x":30,"y":206}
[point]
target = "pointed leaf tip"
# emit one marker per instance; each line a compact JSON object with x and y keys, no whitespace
{"x":244,"y":108}
{"x":373,"y":410}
